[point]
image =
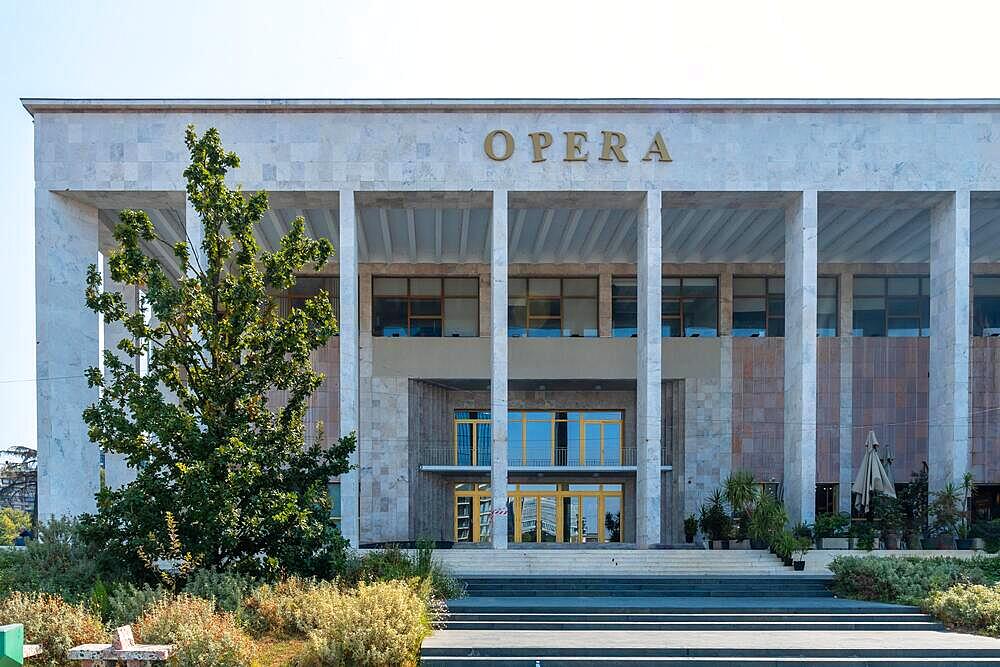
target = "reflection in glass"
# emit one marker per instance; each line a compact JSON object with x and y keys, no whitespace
{"x":590,"y":519}
{"x":612,"y":519}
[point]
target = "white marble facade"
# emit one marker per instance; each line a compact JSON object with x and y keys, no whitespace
{"x":91,"y":155}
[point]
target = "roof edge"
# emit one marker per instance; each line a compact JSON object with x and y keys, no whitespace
{"x":443,"y":105}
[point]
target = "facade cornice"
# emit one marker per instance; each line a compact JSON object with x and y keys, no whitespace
{"x":512,"y":105}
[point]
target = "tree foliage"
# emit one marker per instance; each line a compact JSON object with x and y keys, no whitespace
{"x":211,"y":446}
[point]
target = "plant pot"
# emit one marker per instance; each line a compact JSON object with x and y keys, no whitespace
{"x":912,"y":540}
{"x":741,"y":545}
{"x":689,"y":539}
{"x":758,"y":545}
{"x":928,"y":543}
{"x":978,"y":544}
{"x":719,"y":544}
{"x":965,"y":544}
{"x":833,"y":543}
{"x":798,"y":565}
{"x":787,"y":560}
{"x":891,"y":540}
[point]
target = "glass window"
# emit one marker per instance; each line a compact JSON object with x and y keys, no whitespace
{"x":425,"y":307}
{"x":986,"y":306}
{"x":333,"y":489}
{"x":758,"y":306}
{"x":826,"y":306}
{"x":552,"y":307}
{"x":689,"y":307}
{"x":826,"y":498}
{"x":891,"y":306}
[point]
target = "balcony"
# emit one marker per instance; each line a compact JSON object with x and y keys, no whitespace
{"x":445,"y":458}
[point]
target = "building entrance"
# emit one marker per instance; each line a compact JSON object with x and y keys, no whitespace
{"x":540,"y":513}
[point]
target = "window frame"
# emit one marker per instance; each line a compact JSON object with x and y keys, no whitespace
{"x":679,"y":298}
{"x":411,"y":298}
{"x":766,"y":295}
{"x":923,"y":326}
{"x":289,"y":298}
{"x":977,"y":328}
{"x":562,"y":298}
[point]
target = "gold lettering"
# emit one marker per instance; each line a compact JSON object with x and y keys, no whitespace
{"x":574,"y":147}
{"x":660,"y":148}
{"x":613,"y":142}
{"x":508,"y":145}
{"x":539,"y":142}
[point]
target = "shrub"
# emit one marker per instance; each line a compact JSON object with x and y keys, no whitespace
{"x":203,"y":636}
{"x":12,"y":522}
{"x":57,"y":563}
{"x":971,"y":607}
{"x":714,"y":521}
{"x":393,"y":563}
{"x":226,"y":589}
{"x":381,"y":623}
{"x":832,"y":525}
{"x":52,"y":622}
{"x":905,"y":580}
{"x":126,"y":602}
{"x":989,"y":531}
{"x":292,"y":607}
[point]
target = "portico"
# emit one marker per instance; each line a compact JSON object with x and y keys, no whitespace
{"x":622,"y":329}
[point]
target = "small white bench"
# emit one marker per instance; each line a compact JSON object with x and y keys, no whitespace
{"x":123,"y":649}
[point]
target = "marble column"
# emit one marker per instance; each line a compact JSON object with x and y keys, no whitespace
{"x":726,"y":303}
{"x":498,"y":367}
{"x":649,"y":379}
{"x":948,"y":451}
{"x":347,"y":253}
{"x":845,"y":326}
{"x":66,"y":244}
{"x":800,"y":357}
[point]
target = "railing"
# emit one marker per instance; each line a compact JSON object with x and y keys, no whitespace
{"x":446,"y":455}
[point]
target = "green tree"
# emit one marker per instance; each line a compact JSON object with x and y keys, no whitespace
{"x":12,"y":522}
{"x":233,"y":470}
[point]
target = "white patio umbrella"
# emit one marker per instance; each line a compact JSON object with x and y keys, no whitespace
{"x":872,"y":476}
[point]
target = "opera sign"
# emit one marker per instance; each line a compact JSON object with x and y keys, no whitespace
{"x":499,"y":146}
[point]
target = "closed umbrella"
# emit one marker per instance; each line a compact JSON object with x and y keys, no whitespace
{"x":872,"y":477}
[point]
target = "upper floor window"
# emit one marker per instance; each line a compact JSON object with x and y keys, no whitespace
{"x":306,"y":287}
{"x":758,"y":306}
{"x":986,"y":305}
{"x":425,"y":307}
{"x":892,"y":306}
{"x":689,"y":307}
{"x":552,"y":307}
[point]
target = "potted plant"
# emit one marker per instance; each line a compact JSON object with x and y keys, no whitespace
{"x":889,"y":519}
{"x":802,"y":545}
{"x":741,"y":492}
{"x":945,"y":507}
{"x":784,"y":545}
{"x":766,"y":521}
{"x":965,"y":538}
{"x":803,"y":531}
{"x":913,"y":505}
{"x":690,"y":528}
{"x":715,"y":523}
{"x":831,"y":531}
{"x":863,"y":535}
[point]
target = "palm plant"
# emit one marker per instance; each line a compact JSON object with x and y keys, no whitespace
{"x":767,"y":519}
{"x":741,"y":491}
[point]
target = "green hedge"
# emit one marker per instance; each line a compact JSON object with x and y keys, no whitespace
{"x":907,"y":580}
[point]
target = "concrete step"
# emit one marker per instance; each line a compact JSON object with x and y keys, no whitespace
{"x":691,"y":626}
{"x":656,"y":593}
{"x":950,"y":653}
{"x":631,"y":616}
{"x":543,"y":660}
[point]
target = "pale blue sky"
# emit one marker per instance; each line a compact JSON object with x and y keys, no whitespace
{"x":426,"y":48}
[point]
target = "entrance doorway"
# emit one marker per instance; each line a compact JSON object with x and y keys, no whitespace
{"x":542,"y":513}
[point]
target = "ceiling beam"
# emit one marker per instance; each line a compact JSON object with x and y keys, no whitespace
{"x":543,"y":233}
{"x":764,"y":220}
{"x":870,"y":220}
{"x":463,"y":235}
{"x":362,"y":238}
{"x":718,"y":241}
{"x":310,"y":230}
{"x":906,"y":233}
{"x":569,"y":233}
{"x":982,"y":243}
{"x":863,"y":247}
{"x":515,"y":237}
{"x":596,"y":229}
{"x":673,"y":227}
{"x":272,"y":228}
{"x":620,"y":234}
{"x":411,"y":233}
{"x":383,"y":221}
{"x":438,"y":238}
{"x":702,"y":234}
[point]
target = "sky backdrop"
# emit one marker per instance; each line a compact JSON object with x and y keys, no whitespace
{"x":428,"y":48}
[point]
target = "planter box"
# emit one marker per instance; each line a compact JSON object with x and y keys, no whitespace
{"x":834,"y":543}
{"x":719,"y":544}
{"x":798,"y":565}
{"x":742,"y":545}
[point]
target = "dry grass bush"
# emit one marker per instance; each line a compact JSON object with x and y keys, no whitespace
{"x":52,"y":622}
{"x":376,"y":624}
{"x":204,"y":637}
{"x":292,"y":607}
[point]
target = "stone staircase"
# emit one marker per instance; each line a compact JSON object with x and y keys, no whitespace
{"x":718,"y":619}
